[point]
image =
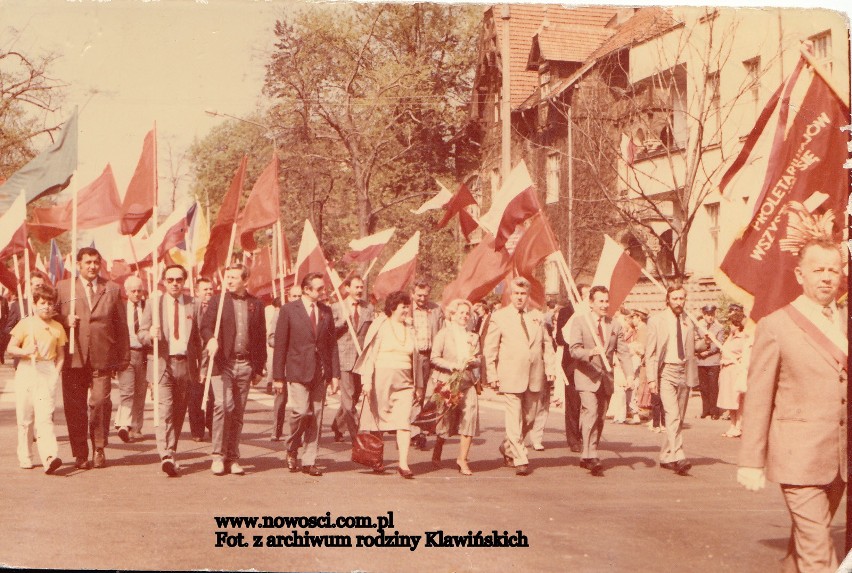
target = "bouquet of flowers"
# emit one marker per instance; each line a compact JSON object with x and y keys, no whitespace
{"x":448,"y":394}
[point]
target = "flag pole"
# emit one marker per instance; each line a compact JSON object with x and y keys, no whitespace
{"x":273,"y":263}
{"x":345,"y":310}
{"x":218,"y":321}
{"x":283,"y":265}
{"x":72,"y":311}
{"x":821,"y":71}
{"x":155,"y":295}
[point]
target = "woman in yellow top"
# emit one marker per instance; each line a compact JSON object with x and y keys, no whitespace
{"x":387,"y":376}
{"x":39,"y":342}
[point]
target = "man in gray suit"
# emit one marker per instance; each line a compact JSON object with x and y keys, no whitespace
{"x":360,"y":314}
{"x":672,"y":372}
{"x":595,"y":382}
{"x":427,"y":319}
{"x":519,"y":356}
{"x":795,"y":414}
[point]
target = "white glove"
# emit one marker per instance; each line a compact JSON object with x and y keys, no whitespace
{"x":753,"y":479}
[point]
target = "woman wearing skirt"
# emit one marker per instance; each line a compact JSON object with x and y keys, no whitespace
{"x":456,"y":352}
{"x":387,"y":375}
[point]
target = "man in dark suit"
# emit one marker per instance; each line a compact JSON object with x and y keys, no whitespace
{"x":795,"y":412}
{"x":572,"y":397}
{"x":596,"y":337}
{"x":239,"y":356}
{"x":195,"y":392}
{"x":101,"y":348}
{"x":305,"y":359}
{"x":176,"y":333}
{"x":360,"y":314}
{"x":709,"y":354}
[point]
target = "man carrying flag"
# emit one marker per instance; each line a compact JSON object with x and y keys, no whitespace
{"x":794,"y":420}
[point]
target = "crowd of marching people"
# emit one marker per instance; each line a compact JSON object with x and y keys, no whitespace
{"x":420,"y":368}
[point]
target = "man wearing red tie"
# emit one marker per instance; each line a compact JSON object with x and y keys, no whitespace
{"x":672,"y":372}
{"x":133,"y":381}
{"x":305,"y":359}
{"x":179,"y":355}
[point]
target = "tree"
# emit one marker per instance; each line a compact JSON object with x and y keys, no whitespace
{"x":681,"y":125}
{"x":371,"y":97}
{"x":28,"y":94}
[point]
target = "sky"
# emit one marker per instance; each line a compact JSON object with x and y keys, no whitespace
{"x":128,"y":64}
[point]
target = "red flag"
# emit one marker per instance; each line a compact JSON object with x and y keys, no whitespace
{"x":398,"y":272}
{"x":8,"y":278}
{"x":173,"y":231}
{"x":806,"y":183}
{"x":141,"y":197}
{"x":514,"y":203}
{"x":261,"y":209}
{"x":535,"y":244}
{"x":482,"y":270}
{"x":460,"y":200}
{"x":618,"y":272}
{"x":220,"y":234}
{"x":260,"y":280}
{"x":97,"y":204}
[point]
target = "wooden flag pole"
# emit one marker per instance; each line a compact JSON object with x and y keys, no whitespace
{"x":346,"y":314}
{"x":72,"y":292}
{"x":218,"y":322}
{"x":273,"y":266}
{"x":283,"y":266}
{"x":155,"y":294}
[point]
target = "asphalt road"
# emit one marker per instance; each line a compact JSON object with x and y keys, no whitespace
{"x":636,"y":518}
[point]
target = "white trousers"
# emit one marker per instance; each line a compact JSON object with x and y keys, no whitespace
{"x":35,"y":400}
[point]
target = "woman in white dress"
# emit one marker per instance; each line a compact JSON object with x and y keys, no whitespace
{"x":387,"y":375}
{"x":734,"y":366}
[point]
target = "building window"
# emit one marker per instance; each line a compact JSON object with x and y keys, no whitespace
{"x":552,"y":195}
{"x":713,"y":227}
{"x":822,"y":48}
{"x":713,"y":123}
{"x":752,"y":84}
{"x":551,"y":278}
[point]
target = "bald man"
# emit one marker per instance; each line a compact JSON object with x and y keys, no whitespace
{"x":132,"y":381}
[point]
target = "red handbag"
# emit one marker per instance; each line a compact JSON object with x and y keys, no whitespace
{"x":368,"y":449}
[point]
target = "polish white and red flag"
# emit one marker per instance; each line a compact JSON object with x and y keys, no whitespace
{"x":367,"y":248}
{"x":617,"y":271}
{"x":13,"y":230}
{"x":310,"y":258}
{"x":514,"y":203}
{"x":439,"y":201}
{"x":398,"y":272}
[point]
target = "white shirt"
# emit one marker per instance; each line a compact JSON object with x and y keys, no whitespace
{"x":86,"y":283}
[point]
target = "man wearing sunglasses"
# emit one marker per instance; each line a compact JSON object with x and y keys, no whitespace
{"x":179,"y":355}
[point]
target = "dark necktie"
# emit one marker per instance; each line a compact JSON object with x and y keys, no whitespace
{"x":90,"y":290}
{"x":314,"y":318}
{"x":176,"y":326}
{"x":680,"y":352}
{"x":524,"y":323}
{"x":135,"y":317}
{"x":600,"y":330}
{"x":355,"y":316}
{"x":828,"y":313}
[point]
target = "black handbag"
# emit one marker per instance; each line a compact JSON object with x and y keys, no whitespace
{"x":428,"y":418}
